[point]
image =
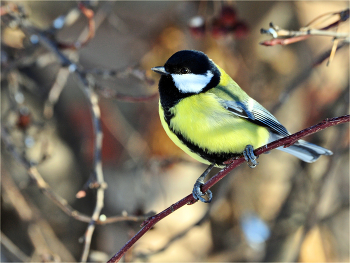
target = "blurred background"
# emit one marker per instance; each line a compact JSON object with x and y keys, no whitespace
{"x":284,"y":210}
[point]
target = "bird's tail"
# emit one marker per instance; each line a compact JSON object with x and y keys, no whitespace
{"x":306,"y":151}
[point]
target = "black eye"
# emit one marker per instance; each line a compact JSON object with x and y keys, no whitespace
{"x":184,"y":71}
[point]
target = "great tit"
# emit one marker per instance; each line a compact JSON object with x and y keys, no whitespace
{"x":206,"y":114}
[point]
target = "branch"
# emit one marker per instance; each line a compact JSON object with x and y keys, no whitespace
{"x":275,"y":32}
{"x":232,"y":164}
{"x":55,"y":92}
{"x":48,"y":191}
{"x":132,"y":71}
{"x":87,"y":86}
{"x":130,"y":98}
{"x":94,"y":22}
{"x":312,"y":216}
{"x":89,"y":14}
{"x":302,"y":76}
{"x":31,"y":218}
{"x":13,"y":249}
{"x":311,"y":189}
{"x":178,"y":236}
{"x":285,"y":37}
{"x":96,"y":120}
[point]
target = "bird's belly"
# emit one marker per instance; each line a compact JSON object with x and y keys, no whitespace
{"x":218,"y":134}
{"x":214,"y":130}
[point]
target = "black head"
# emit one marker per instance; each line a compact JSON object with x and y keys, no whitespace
{"x":186,"y":73}
{"x":189,"y":61}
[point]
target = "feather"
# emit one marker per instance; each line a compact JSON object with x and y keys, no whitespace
{"x":254,"y":112}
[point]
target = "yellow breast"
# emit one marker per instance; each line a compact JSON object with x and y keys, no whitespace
{"x":202,"y":120}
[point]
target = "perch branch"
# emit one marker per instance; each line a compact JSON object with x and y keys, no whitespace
{"x":232,"y":164}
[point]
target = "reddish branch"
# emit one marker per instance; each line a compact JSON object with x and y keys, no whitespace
{"x":283,"y":41}
{"x":232,"y":164}
{"x":89,"y":14}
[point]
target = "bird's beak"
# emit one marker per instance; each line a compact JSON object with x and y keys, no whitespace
{"x":160,"y":70}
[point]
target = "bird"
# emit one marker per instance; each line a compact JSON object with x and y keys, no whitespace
{"x":206,"y":113}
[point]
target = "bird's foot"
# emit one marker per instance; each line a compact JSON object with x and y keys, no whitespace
{"x":199,"y":195}
{"x":249,"y":156}
{"x":197,"y":191}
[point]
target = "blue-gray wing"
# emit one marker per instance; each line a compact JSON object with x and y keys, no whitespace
{"x":254,"y":112}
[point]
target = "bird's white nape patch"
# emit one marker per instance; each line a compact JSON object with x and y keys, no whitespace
{"x":192,"y":83}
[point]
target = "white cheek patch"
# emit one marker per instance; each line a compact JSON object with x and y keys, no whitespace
{"x":192,"y":83}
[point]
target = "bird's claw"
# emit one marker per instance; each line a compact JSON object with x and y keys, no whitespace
{"x":249,"y":156}
{"x":197,"y":188}
{"x":198,"y":194}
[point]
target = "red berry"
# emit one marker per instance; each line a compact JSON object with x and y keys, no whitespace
{"x":24,"y":118}
{"x":217,"y":29}
{"x":227,"y":16}
{"x":241,"y":30}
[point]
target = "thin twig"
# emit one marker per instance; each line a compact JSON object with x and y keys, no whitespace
{"x":133,"y":71}
{"x":94,"y":22}
{"x":32,"y":171}
{"x":89,"y":14}
{"x":41,"y":248}
{"x":88,"y":89}
{"x":232,"y":164}
{"x":40,"y":182}
{"x":283,"y":41}
{"x":175,"y":237}
{"x":57,"y":87}
{"x":96,"y":119}
{"x":31,"y":217}
{"x":99,"y":18}
{"x":285,"y":37}
{"x":312,"y":217}
{"x":125,"y":133}
{"x":334,"y":48}
{"x":309,"y":32}
{"x":328,"y":53}
{"x":47,"y":190}
{"x":13,"y":249}
{"x":302,"y":76}
{"x":129,"y":98}
{"x":302,"y":199}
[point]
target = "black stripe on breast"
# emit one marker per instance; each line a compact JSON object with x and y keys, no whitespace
{"x":216,"y":158}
